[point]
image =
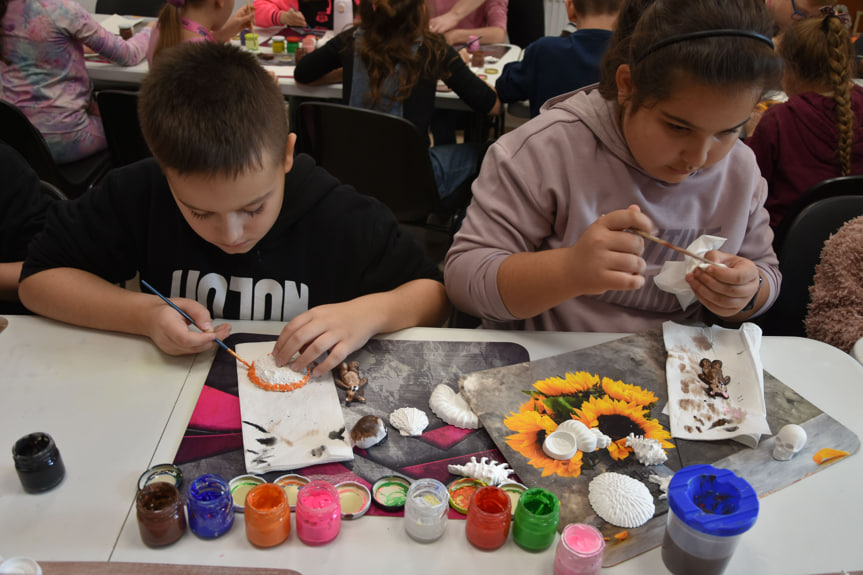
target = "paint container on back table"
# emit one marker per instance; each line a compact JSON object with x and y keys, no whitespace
{"x":309,"y":43}
{"x":38,"y":462}
{"x":278,"y":44}
{"x":426,"y":510}
{"x":534,"y":525}
{"x":267,"y":515}
{"x":709,"y":509}
{"x":579,"y":551}
{"x":160,"y":513}
{"x":252,"y":41}
{"x":210,"y":506}
{"x":488,"y":518}
{"x":318,"y":513}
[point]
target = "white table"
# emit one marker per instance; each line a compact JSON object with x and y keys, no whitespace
{"x":115,"y":405}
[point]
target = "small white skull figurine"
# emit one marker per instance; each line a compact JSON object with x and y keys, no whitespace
{"x":789,"y":441}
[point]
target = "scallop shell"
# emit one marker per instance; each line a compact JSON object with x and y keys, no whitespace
{"x":620,"y":500}
{"x":648,"y":451}
{"x":369,"y":430}
{"x":452,"y":407}
{"x":589,"y":438}
{"x":409,"y":421}
{"x":489,"y":472}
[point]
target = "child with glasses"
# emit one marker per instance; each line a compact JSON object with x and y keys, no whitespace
{"x":545,"y":243}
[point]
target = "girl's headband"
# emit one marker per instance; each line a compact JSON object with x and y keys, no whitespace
{"x":721,"y":32}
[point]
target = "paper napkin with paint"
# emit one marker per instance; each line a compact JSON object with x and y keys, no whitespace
{"x":715,"y":383}
{"x":291,"y":429}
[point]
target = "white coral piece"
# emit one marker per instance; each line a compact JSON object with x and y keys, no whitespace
{"x":489,"y":472}
{"x":621,"y":500}
{"x":589,"y":439}
{"x":452,"y":407}
{"x":648,"y":451}
{"x":409,"y":421}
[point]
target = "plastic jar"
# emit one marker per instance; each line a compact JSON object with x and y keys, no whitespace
{"x":38,"y":462}
{"x":210,"y":505}
{"x":488,"y":518}
{"x":579,"y":551}
{"x":251,"y":41}
{"x":268,"y":515}
{"x":709,"y":509}
{"x":535,"y":521}
{"x":161,"y":517}
{"x":426,"y":508}
{"x":309,"y":43}
{"x":318,"y":513}
{"x":278,"y":44}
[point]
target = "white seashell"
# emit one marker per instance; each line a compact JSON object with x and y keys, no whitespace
{"x":452,"y":407}
{"x":560,"y":444}
{"x":409,"y":420}
{"x":647,"y":451}
{"x":589,"y":439}
{"x":489,"y":472}
{"x":621,"y":500}
{"x":662,"y":482}
{"x":369,"y":430}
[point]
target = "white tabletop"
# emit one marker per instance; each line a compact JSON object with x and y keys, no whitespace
{"x":115,"y":405}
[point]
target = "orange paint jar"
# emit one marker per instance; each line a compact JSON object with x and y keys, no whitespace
{"x":268,"y":515}
{"x":488,"y":518}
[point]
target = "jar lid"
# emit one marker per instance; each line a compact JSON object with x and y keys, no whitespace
{"x":24,"y":565}
{"x":513,"y":491}
{"x":713,"y":501}
{"x":278,"y":39}
{"x":460,"y":492}
{"x":167,"y":472}
{"x":355,"y":499}
{"x":240,"y":487}
{"x":390,"y":492}
{"x":291,"y":483}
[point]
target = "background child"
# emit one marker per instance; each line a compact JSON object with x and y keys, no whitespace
{"x":818,"y":133}
{"x":43,"y":71}
{"x":197,"y":21}
{"x":279,"y":13}
{"x":786,"y":12}
{"x":544,"y":243}
{"x":487,"y":20}
{"x":391,"y":63}
{"x":556,"y":65}
{"x":229,"y":224}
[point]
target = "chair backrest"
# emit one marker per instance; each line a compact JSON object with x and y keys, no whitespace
{"x":380,"y":155}
{"x":149,"y":8}
{"x":119,"y":111}
{"x":17,"y":131}
{"x":799,"y":253}
{"x":841,"y":186}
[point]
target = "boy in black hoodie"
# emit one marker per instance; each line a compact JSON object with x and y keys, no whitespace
{"x":229,"y":224}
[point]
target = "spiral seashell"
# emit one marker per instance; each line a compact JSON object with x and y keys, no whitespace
{"x":648,"y":451}
{"x":589,"y":438}
{"x":409,"y":421}
{"x":621,"y":500}
{"x":452,"y":407}
{"x":369,"y":430}
{"x":489,"y":472}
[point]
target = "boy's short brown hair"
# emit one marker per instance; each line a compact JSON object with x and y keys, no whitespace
{"x":210,"y":108}
{"x":591,"y":7}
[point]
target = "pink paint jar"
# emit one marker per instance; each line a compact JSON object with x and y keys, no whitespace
{"x":318,"y":513}
{"x":309,"y":43}
{"x":579,"y":551}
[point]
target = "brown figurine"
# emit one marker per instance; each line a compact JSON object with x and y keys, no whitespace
{"x":349,"y":380}
{"x":711,"y":374}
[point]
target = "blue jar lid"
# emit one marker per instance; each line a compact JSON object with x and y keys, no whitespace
{"x":712,"y":500}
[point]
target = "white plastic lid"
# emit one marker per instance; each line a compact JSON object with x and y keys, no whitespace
{"x":278,"y":39}
{"x":20,"y":565}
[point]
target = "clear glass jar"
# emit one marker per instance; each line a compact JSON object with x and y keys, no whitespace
{"x":210,"y":505}
{"x":318,"y":513}
{"x":535,"y":522}
{"x":488,"y":518}
{"x":161,"y":516}
{"x":426,"y":510}
{"x":268,"y":515}
{"x":38,"y":462}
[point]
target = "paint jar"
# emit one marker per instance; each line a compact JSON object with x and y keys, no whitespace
{"x":534,"y":524}
{"x":309,"y":43}
{"x":472,"y":43}
{"x":298,"y":54}
{"x":319,"y":513}
{"x":426,"y":510}
{"x":488,"y":518}
{"x":709,"y":509}
{"x":477,"y":59}
{"x":161,"y":517}
{"x":268,"y":515}
{"x":579,"y":551}
{"x":126,"y":32}
{"x":38,"y":462}
{"x":292,"y":47}
{"x":251,"y":41}
{"x":211,"y":508}
{"x":278,"y":44}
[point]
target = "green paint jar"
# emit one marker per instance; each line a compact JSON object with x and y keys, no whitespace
{"x":534,"y":524}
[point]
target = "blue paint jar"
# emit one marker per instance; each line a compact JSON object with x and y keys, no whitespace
{"x":210,"y":506}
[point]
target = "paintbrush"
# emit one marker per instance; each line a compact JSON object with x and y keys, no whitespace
{"x":185,"y":315}
{"x":466,"y":44}
{"x":669,"y":245}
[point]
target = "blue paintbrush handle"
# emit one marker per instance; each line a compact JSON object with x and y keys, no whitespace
{"x":182,"y":313}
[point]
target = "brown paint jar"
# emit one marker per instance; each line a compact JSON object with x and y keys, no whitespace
{"x":161,"y":515}
{"x":126,"y":32}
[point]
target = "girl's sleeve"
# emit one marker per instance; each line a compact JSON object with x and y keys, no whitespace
{"x":267,"y":11}
{"x":72,"y":18}
{"x":467,"y":85}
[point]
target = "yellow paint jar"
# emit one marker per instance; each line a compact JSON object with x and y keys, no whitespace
{"x":278,"y":44}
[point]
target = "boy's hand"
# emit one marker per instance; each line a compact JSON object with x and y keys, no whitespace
{"x":172,"y":334}
{"x":725,"y":291}
{"x":606,"y":257}
{"x":338,"y":328}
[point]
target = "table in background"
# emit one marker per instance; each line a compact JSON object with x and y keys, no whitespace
{"x":115,"y":405}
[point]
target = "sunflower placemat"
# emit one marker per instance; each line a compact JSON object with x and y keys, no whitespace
{"x":620,"y":389}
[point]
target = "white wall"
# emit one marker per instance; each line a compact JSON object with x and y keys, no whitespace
{"x":555,"y":17}
{"x":89,"y":5}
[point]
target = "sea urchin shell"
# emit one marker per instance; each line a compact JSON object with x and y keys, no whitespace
{"x":621,"y":500}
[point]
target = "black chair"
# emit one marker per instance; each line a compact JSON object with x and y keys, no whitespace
{"x":148,"y":8}
{"x":73,"y":178}
{"x":51,"y":191}
{"x":119,"y":110}
{"x":799,"y":253}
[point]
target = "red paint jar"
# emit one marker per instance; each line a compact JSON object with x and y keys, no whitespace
{"x":488,"y":518}
{"x":268,"y":515}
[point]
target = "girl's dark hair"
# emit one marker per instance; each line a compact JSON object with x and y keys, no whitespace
{"x":4,"y":4}
{"x":722,"y":61}
{"x":391,"y":28}
{"x":820,"y":53}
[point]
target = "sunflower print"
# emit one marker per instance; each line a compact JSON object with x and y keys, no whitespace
{"x":531,"y":428}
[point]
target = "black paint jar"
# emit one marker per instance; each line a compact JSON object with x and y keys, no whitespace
{"x":38,"y":462}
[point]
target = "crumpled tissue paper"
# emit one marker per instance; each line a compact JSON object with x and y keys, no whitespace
{"x":672,"y":276}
